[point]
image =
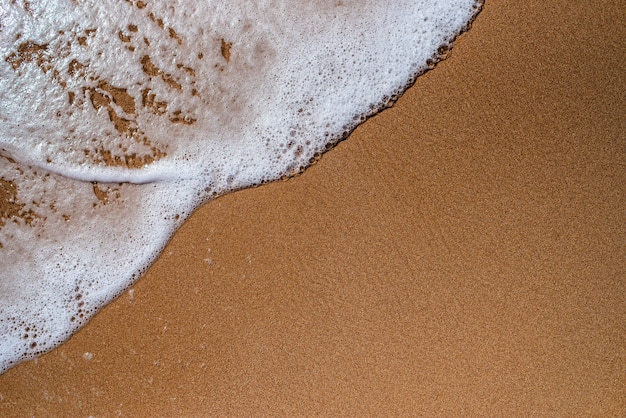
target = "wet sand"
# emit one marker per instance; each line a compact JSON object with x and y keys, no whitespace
{"x":461,"y":253}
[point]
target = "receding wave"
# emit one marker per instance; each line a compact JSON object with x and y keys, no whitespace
{"x":118,"y":118}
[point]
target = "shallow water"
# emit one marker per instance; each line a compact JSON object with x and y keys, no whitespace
{"x":120,"y":118}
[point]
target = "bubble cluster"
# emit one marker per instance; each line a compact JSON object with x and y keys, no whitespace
{"x":118,"y":118}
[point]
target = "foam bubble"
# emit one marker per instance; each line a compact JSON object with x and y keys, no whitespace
{"x":119,"y":118}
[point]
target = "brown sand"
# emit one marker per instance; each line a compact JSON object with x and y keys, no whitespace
{"x":461,"y":253}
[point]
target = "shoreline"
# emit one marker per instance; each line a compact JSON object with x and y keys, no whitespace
{"x":459,"y":252}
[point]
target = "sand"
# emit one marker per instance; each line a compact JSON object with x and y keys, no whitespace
{"x":461,"y":253}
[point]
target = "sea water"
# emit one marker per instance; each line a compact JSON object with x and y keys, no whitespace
{"x":118,"y":118}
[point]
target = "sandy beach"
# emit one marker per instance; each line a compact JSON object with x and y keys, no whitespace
{"x":462,"y":253}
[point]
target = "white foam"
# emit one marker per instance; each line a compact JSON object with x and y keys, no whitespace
{"x":187,"y":100}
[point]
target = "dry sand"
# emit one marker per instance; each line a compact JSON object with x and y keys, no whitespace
{"x":462,"y":253}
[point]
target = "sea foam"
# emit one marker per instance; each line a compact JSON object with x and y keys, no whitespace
{"x":119,"y":118}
